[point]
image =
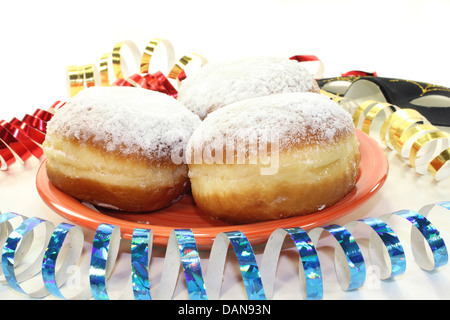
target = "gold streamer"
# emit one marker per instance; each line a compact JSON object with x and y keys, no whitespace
{"x":149,"y":52}
{"x":81,"y":77}
{"x":406,"y":131}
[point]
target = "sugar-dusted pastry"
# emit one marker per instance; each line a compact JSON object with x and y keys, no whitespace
{"x":273,"y":157}
{"x":113,"y":147}
{"x":218,"y":84}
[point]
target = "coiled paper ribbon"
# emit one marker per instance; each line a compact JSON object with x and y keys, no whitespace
{"x":403,"y":130}
{"x":406,"y":131}
{"x":113,"y":65}
{"x":21,"y":139}
{"x":258,"y":280}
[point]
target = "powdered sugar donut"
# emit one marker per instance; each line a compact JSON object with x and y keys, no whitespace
{"x":273,"y":157}
{"x":218,"y":84}
{"x":112,"y":147}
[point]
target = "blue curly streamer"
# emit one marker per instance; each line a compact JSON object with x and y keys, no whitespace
{"x":99,"y":259}
{"x":142,"y":241}
{"x":51,"y":255}
{"x":392,"y":244}
{"x":9,"y":250}
{"x":247,"y":264}
{"x":353,"y":254}
{"x":430,"y":234}
{"x":140,"y":257}
{"x":310,"y":262}
{"x":191,"y":264}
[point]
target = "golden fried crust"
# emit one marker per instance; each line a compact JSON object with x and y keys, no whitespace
{"x":114,"y":181}
{"x":306,"y":181}
{"x":117,"y":197}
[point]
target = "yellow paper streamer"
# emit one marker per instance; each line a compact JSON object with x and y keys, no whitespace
{"x":426,"y":147}
{"x":404,"y":130}
{"x":113,"y":65}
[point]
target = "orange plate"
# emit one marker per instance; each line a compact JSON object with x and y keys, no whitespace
{"x":185,"y":215}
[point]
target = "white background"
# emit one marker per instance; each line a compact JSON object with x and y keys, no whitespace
{"x":403,"y":39}
{"x":396,"y":38}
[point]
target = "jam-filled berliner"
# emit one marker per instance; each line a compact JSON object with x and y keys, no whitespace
{"x":112,"y":147}
{"x":220,"y":83}
{"x":273,"y":157}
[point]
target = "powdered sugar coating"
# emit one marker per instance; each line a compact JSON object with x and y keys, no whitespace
{"x":297,"y":119}
{"x":126,"y":120}
{"x":218,"y":84}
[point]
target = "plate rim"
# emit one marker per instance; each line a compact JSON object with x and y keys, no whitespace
{"x":205,"y":235}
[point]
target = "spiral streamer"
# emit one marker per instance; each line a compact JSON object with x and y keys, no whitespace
{"x":406,"y":131}
{"x":22,"y":139}
{"x":113,"y":69}
{"x":402,"y":130}
{"x":258,"y":280}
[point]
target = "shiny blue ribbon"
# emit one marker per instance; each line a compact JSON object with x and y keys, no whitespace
{"x":6,"y":230}
{"x":6,"y":216}
{"x":140,"y":257}
{"x":10,"y":248}
{"x":353,"y":254}
{"x":99,"y":258}
{"x":103,"y":255}
{"x":190,"y":260}
{"x":51,"y":255}
{"x":310,"y":262}
{"x":247,"y":264}
{"x":443,"y":204}
{"x":429,"y":233}
{"x":392,"y":244}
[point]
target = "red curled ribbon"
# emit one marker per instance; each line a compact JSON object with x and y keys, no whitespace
{"x":318,"y":74}
{"x":156,"y":82}
{"x":358,"y":73}
{"x":21,"y":139}
{"x":303,"y":58}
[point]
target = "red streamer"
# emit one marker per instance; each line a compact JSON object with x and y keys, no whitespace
{"x":358,"y":73}
{"x":21,"y":139}
{"x":156,"y":82}
{"x":304,"y":58}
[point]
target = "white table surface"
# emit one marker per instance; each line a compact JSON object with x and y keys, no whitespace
{"x":403,"y":39}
